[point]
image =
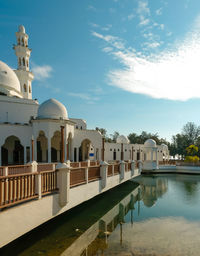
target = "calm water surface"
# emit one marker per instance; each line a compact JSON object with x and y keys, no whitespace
{"x":154,"y":215}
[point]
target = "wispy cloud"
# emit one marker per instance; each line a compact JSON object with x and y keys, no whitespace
{"x":41,"y":72}
{"x":113,"y":40}
{"x":171,"y":74}
{"x":143,"y":12}
{"x":88,"y":97}
{"x":91,"y":8}
{"x":159,"y":11}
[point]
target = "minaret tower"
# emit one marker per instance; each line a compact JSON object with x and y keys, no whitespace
{"x":23,"y":54}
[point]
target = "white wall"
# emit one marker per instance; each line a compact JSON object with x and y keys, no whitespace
{"x":79,"y":123}
{"x":15,"y":110}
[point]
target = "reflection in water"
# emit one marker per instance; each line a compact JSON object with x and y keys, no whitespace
{"x":152,"y":188}
{"x":150,"y":217}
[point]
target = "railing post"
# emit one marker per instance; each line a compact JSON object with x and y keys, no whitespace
{"x":5,"y":171}
{"x":54,"y":167}
{"x":39,"y":185}
{"x":103,"y":173}
{"x":88,"y":163}
{"x":122,"y":169}
{"x":63,"y":183}
{"x":86,"y":174}
{"x":34,"y":166}
{"x":132,"y":167}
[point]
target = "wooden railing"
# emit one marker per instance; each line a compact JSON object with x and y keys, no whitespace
{"x":94,"y":173}
{"x":49,"y":181}
{"x":77,"y":176}
{"x":110,"y":167}
{"x":17,"y":188}
{"x":46,"y":167}
{"x":1,"y":171}
{"x":116,"y":169}
{"x":18,"y":169}
{"x":74,"y":164}
{"x":84,"y":164}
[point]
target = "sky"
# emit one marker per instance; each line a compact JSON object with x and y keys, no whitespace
{"x":123,"y":65}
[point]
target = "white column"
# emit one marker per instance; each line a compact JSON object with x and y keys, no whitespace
{"x":156,"y":157}
{"x":35,"y":149}
{"x":0,"y":157}
{"x":152,"y":154}
{"x":24,"y":154}
{"x":49,"y":150}
{"x":77,"y":154}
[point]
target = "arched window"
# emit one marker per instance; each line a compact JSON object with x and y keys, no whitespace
{"x":22,"y":41}
{"x":25,"y":89}
{"x":20,"y":63}
{"x":27,"y":64}
{"x":23,"y":61}
{"x":29,"y":89}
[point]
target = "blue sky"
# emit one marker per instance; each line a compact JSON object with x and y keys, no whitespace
{"x":125,"y":65}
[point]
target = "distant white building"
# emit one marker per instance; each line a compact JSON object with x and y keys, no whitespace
{"x":26,"y":125}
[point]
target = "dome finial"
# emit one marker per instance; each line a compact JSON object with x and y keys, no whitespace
{"x":21,"y":29}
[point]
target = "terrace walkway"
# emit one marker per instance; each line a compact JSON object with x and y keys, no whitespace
{"x":33,"y":194}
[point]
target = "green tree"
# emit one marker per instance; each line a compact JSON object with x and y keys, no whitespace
{"x":192,"y":132}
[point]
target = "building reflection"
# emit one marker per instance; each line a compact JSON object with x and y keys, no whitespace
{"x":152,"y":188}
{"x":94,"y":241}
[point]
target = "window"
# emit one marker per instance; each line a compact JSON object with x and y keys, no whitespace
{"x":20,"y":63}
{"x":23,"y":61}
{"x":25,"y":89}
{"x":29,"y":89}
{"x":22,"y":41}
{"x":18,"y":41}
{"x":110,"y":149}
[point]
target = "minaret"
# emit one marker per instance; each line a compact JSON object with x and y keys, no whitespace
{"x":23,"y":54}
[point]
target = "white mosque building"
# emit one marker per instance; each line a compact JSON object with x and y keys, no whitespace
{"x":32,"y":131}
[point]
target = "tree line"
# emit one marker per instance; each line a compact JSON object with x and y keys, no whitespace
{"x":189,"y":135}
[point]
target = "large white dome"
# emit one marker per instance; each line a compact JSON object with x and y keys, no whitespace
{"x":122,"y":139}
{"x":9,"y":82}
{"x":150,"y":143}
{"x":52,"y":109}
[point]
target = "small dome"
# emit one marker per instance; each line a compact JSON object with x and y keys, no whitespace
{"x":150,"y":143}
{"x":9,"y":82}
{"x":52,"y":109}
{"x":123,"y":139}
{"x":21,"y":29}
{"x":164,"y":146}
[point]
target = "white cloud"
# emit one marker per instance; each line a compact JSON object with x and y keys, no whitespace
{"x":89,"y":98}
{"x":41,"y":72}
{"x":143,"y":8}
{"x":159,"y":11}
{"x":107,"y":49}
{"x":172,"y":75}
{"x":113,"y":40}
{"x":131,"y":16}
{"x":162,"y":26}
{"x":143,"y":12}
{"x":152,"y":44}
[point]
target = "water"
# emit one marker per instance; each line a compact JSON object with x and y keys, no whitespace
{"x":154,"y":215}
